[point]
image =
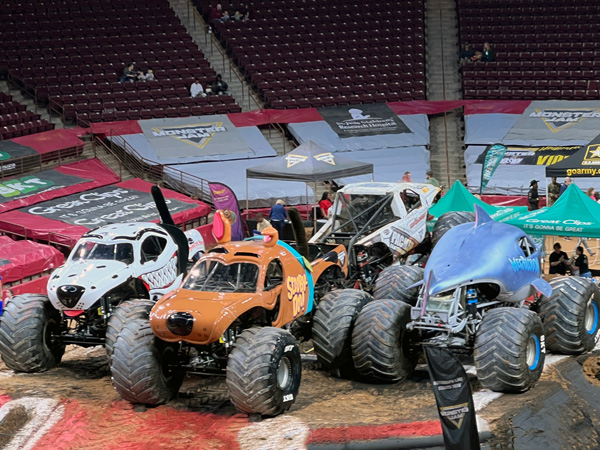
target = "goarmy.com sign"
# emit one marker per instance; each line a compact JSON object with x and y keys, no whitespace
{"x":194,"y":134}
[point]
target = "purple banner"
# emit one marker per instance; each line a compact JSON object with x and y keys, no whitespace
{"x":225,"y":200}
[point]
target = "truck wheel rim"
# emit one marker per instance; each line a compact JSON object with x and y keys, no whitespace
{"x":591,"y":316}
{"x":533,"y":351}
{"x":284,"y":370}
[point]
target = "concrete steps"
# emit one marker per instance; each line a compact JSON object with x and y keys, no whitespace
{"x":30,"y":104}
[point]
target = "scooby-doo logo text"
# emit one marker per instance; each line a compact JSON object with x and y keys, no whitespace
{"x":297,"y":293}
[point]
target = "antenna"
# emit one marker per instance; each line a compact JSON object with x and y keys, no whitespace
{"x":161,"y":205}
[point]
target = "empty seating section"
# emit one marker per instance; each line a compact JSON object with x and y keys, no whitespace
{"x":72,"y":54}
{"x":15,"y":121}
{"x":545,"y":49}
{"x":310,"y":53}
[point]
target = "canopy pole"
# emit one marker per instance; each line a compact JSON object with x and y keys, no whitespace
{"x":314,"y":209}
{"x":247,"y":200}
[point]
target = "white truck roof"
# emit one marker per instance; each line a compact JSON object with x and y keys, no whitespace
{"x":375,"y":188}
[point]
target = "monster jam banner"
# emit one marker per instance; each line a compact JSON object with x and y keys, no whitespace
{"x":554,"y":121}
{"x":364,"y":120}
{"x":493,"y":156}
{"x":454,"y":399}
{"x":225,"y":200}
{"x":177,"y":141}
{"x":532,"y":156}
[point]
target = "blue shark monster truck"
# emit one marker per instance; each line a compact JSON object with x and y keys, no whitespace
{"x":481,"y":296}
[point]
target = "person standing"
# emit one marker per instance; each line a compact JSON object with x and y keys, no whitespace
{"x":325,"y":203}
{"x":278,"y":215}
{"x":431,"y":180}
{"x":565,"y":185}
{"x":533,"y":197}
{"x":581,"y":262}
{"x":553,"y":191}
{"x":558,"y":261}
{"x":407,"y":177}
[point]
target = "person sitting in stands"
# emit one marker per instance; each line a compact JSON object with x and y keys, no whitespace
{"x":128,"y":73}
{"x":196,"y":89}
{"x":149,"y":76}
{"x":487,"y":55}
{"x":278,"y":215}
{"x":237,"y":16}
{"x":225,"y":17}
{"x":218,"y":87}
{"x":581,"y":263}
{"x":466,"y":53}
{"x":325,"y":203}
{"x":261,"y":223}
{"x":558,"y":261}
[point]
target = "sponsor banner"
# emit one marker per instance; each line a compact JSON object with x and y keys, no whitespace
{"x":557,"y":120}
{"x":532,"y":156}
{"x":39,"y":183}
{"x":10,"y":151}
{"x":109,"y":204}
{"x":364,"y":120}
{"x":190,"y":137}
{"x":584,"y":163}
{"x":493,"y":156}
{"x":225,"y":200}
{"x":454,"y":399}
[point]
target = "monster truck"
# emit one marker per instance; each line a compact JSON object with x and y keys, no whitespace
{"x":481,"y":297}
{"x":236,"y":314}
{"x":108,"y":267}
{"x":379,"y":223}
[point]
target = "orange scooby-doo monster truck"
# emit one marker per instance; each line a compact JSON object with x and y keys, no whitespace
{"x":236,"y":314}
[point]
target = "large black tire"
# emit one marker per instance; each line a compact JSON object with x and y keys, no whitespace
{"x":449,"y":220}
{"x":26,"y":330}
{"x":264,"y":371}
{"x":381,"y":345}
{"x":332,"y":329}
{"x":141,"y":364}
{"x":393,"y":282}
{"x":117,"y":321}
{"x":509,"y":350}
{"x":570,"y":315}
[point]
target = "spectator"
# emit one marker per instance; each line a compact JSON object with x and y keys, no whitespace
{"x":261,"y":223}
{"x":581,"y":263}
{"x":407,"y":177}
{"x":149,"y":75}
{"x":558,"y":261}
{"x":128,"y":73}
{"x":431,"y":180}
{"x":237,"y":16}
{"x":533,"y":197}
{"x":565,"y":185}
{"x":487,"y":54}
{"x":215,"y":14}
{"x":278,"y":215}
{"x":597,"y":196}
{"x":196,"y":89}
{"x":325,"y":203}
{"x":466,"y":53}
{"x":591,"y":193}
{"x":553,"y":191}
{"x":584,"y":241}
{"x":225,"y":17}
{"x":219,"y":87}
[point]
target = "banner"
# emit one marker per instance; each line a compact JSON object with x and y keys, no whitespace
{"x":9,"y":151}
{"x":225,"y":200}
{"x":36,"y":184}
{"x":533,"y":156}
{"x":493,"y":156}
{"x":188,"y":137}
{"x":584,"y":163}
{"x":454,"y":399}
{"x":364,"y":120}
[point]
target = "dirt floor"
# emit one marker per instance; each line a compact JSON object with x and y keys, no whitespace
{"x":560,"y":412}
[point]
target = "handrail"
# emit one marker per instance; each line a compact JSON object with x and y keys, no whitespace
{"x":35,"y":163}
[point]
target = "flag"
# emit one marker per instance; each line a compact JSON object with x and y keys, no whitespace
{"x":454,"y":399}
{"x":225,"y":200}
{"x":493,"y":157}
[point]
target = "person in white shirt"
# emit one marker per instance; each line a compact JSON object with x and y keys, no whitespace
{"x":196,"y":89}
{"x":261,"y":223}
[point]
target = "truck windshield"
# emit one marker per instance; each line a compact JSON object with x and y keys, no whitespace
{"x":213,"y":276}
{"x":354,"y":211}
{"x":112,"y":252}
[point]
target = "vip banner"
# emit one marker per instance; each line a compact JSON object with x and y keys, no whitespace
{"x":364,"y":120}
{"x":493,"y":156}
{"x":557,"y":120}
{"x":187,"y":137}
{"x":225,"y":200}
{"x":454,"y":399}
{"x":533,"y":156}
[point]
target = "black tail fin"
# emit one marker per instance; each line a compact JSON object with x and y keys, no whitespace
{"x":161,"y":205}
{"x":299,"y":232}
